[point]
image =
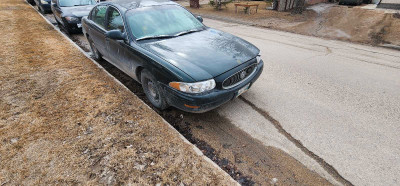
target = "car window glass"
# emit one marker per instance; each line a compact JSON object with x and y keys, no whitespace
{"x":161,"y":20}
{"x":115,"y":21}
{"x":71,"y":3}
{"x":99,"y":15}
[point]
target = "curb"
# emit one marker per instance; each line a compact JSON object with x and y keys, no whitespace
{"x":196,"y":150}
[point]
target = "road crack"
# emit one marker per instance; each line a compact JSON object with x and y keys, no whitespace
{"x":329,"y":168}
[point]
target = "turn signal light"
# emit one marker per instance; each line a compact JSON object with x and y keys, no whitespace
{"x":192,"y":107}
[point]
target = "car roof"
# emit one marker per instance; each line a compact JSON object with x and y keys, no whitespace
{"x":133,"y":4}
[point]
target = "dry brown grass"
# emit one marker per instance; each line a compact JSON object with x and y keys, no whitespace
{"x":337,"y":22}
{"x":64,"y":121}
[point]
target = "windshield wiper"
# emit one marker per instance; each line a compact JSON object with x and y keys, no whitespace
{"x":188,"y":32}
{"x":155,"y":37}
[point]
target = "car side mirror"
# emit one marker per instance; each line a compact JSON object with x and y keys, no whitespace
{"x":199,"y":18}
{"x":115,"y":35}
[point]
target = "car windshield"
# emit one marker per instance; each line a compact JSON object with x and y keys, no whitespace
{"x":161,"y":22}
{"x":69,"y":3}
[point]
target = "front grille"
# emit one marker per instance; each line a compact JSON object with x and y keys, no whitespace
{"x":238,"y":77}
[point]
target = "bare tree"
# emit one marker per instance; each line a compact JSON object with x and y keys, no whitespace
{"x":299,"y":6}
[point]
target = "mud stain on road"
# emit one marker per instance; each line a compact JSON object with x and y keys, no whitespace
{"x":234,"y":147}
{"x":329,"y":168}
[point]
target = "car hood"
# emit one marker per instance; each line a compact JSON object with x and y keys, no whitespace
{"x":77,"y":11}
{"x":204,"y":55}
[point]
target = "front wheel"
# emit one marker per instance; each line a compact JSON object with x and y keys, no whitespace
{"x":58,"y":22}
{"x":96,"y":54}
{"x":67,"y":29}
{"x":153,"y":90}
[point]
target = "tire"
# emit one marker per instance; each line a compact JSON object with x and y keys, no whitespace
{"x":153,"y":90}
{"x":96,"y":54}
{"x":32,"y":2}
{"x":41,"y":10}
{"x":58,"y":22}
{"x":67,"y":29}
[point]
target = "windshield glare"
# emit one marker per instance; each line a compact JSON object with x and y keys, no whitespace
{"x":67,"y":3}
{"x":161,"y":21}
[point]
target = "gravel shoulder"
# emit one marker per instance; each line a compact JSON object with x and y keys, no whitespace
{"x":63,"y":120}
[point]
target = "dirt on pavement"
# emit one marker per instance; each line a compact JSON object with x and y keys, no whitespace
{"x":354,"y":24}
{"x":63,"y":120}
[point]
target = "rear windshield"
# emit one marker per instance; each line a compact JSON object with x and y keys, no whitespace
{"x":163,"y":20}
{"x":69,"y":3}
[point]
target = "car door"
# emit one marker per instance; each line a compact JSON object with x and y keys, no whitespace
{"x":114,"y":47}
{"x":118,"y":49}
{"x":97,"y":31}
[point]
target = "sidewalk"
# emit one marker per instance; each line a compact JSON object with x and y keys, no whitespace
{"x":63,"y":120}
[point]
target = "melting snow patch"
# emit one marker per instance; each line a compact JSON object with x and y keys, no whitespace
{"x":14,"y":140}
{"x":274,"y":181}
{"x":319,"y":8}
{"x":340,"y":33}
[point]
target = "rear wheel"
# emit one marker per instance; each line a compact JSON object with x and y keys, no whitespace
{"x":41,"y":10}
{"x":32,"y":2}
{"x":153,"y":90}
{"x":96,"y":54}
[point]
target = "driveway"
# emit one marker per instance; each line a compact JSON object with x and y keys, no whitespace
{"x":334,"y":106}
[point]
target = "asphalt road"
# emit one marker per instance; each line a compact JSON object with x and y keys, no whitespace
{"x":332,"y":105}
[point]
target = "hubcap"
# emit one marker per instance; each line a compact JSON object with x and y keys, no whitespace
{"x":152,"y":90}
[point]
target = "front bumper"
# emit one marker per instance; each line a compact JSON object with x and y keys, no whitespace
{"x":210,"y":100}
{"x":73,"y":25}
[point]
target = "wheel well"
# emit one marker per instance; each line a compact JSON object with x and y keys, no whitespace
{"x":139,"y":73}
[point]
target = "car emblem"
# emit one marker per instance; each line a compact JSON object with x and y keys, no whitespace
{"x":243,"y":75}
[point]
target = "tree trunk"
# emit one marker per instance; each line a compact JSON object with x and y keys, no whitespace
{"x":219,"y":3}
{"x":299,"y":6}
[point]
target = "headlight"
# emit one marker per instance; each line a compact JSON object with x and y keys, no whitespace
{"x":44,"y":2}
{"x":194,"y":88}
{"x":258,"y":59}
{"x":71,"y":18}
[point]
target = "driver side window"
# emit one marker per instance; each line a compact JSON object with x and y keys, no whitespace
{"x":114,"y":21}
{"x":99,"y":15}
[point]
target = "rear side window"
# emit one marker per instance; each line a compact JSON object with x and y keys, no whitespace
{"x":99,"y":15}
{"x":114,"y":21}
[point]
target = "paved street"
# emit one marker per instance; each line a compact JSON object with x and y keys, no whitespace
{"x":332,"y":105}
